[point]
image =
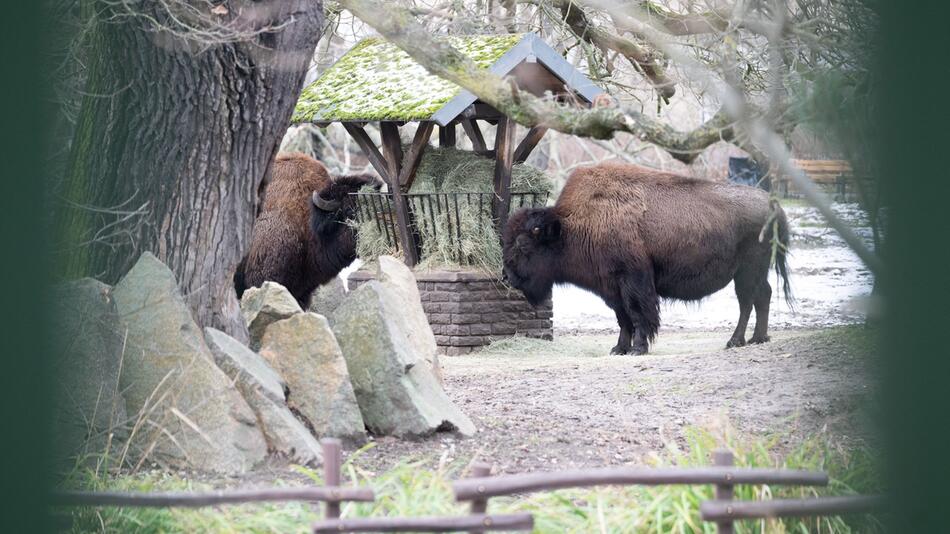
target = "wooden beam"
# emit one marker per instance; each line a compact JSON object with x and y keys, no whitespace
{"x":369,"y":148}
{"x":475,"y":134}
{"x":504,"y":154}
{"x":531,"y":140}
{"x":410,"y":164}
{"x":447,"y":135}
{"x":392,"y":149}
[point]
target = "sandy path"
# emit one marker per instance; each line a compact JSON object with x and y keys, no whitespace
{"x":548,"y":406}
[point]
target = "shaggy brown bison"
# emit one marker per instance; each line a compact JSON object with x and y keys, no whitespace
{"x":632,"y":235}
{"x":300,"y":238}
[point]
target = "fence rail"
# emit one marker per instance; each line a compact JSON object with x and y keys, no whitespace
{"x":776,"y":508}
{"x":473,"y":488}
{"x":196,"y":500}
{"x":464,"y":523}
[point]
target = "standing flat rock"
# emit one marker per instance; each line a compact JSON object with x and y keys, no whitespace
{"x":196,"y":417}
{"x":327,"y":297}
{"x":304,"y":352}
{"x":264,"y":305}
{"x":263,"y":389}
{"x":398,"y":393}
{"x":397,"y":277}
{"x":88,"y":359}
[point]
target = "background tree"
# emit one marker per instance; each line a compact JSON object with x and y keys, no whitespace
{"x":183,"y":108}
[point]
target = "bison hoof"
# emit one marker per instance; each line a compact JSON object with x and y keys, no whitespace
{"x":759,"y":339}
{"x":620,"y":350}
{"x":735,"y":342}
{"x":640,"y":349}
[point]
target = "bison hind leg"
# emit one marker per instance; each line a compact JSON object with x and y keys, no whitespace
{"x":762,"y":299}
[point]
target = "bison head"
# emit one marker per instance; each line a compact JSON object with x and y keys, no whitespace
{"x":532,"y":247}
{"x":335,"y":203}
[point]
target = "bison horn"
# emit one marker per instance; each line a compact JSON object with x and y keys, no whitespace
{"x":324,"y":204}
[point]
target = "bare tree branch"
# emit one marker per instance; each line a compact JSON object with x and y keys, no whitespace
{"x":441,"y":59}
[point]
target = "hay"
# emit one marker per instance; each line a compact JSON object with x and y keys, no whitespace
{"x":469,"y":241}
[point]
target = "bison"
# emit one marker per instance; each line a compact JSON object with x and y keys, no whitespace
{"x":632,"y":235}
{"x":300,"y":238}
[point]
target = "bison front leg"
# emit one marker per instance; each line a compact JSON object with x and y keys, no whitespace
{"x":626,"y":328}
{"x":643,"y":307}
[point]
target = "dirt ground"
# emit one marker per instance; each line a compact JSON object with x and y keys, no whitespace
{"x":552,"y":405}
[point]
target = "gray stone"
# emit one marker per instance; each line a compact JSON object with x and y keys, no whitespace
{"x":396,"y":388}
{"x":264,"y":305}
{"x":303,"y":350}
{"x":88,"y":359}
{"x":196,"y":418}
{"x":396,"y":276}
{"x":327,"y":297}
{"x":263,"y":389}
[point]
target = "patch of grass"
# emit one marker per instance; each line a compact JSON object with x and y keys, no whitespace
{"x":574,"y":346}
{"x":410,"y":490}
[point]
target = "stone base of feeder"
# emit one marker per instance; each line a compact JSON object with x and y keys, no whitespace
{"x":470,"y":309}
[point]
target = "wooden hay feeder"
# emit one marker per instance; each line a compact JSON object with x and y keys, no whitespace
{"x":376,"y":82}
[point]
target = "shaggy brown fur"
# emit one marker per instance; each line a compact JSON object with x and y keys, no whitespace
{"x":295,"y":243}
{"x":632,"y":234}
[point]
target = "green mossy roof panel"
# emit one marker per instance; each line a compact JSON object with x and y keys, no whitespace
{"x":376,"y":80}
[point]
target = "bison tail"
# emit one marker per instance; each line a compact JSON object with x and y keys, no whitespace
{"x":781,"y":254}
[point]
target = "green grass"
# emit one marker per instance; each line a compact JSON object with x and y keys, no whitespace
{"x":410,"y":489}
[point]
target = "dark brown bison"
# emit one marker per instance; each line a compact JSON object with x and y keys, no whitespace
{"x":632,"y":235}
{"x":300,"y":238}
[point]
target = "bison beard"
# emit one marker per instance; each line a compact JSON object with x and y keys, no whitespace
{"x":632,"y":235}
{"x":300,"y":238}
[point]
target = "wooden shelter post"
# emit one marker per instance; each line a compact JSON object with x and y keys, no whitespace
{"x":531,"y":140}
{"x":504,"y":156}
{"x":447,"y":135}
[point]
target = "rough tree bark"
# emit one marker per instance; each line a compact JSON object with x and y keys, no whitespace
{"x":179,"y":124}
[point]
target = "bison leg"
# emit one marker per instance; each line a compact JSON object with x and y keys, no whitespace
{"x":623,"y":342}
{"x":745,"y":293}
{"x":643,"y":307}
{"x":762,"y":299}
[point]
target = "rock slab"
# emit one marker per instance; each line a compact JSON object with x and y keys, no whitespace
{"x":398,"y":278}
{"x":398,"y":392}
{"x":263,"y":389}
{"x":264,"y":305}
{"x":304,"y":351}
{"x":327,"y":298}
{"x":197,"y":418}
{"x":88,"y":360}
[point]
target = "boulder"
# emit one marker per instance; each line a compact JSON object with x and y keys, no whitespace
{"x":196,"y":418}
{"x":327,"y":297}
{"x":398,"y":278}
{"x":303,"y":350}
{"x":264,"y":391}
{"x":87,"y":345}
{"x":397,"y":391}
{"x":264,"y":305}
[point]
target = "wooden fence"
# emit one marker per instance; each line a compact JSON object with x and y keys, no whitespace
{"x":481,"y":486}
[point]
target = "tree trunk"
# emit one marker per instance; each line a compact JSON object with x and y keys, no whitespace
{"x":176,"y":132}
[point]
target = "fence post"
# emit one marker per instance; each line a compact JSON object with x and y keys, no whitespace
{"x":723,"y":457}
{"x":480,"y":506}
{"x":332,"y":458}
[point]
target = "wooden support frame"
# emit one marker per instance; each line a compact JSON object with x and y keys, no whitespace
{"x":531,"y":140}
{"x":504,"y":156}
{"x":447,"y":135}
{"x":398,"y":176}
{"x":475,"y":134}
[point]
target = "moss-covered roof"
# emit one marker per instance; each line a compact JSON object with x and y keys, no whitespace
{"x":375,"y":80}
